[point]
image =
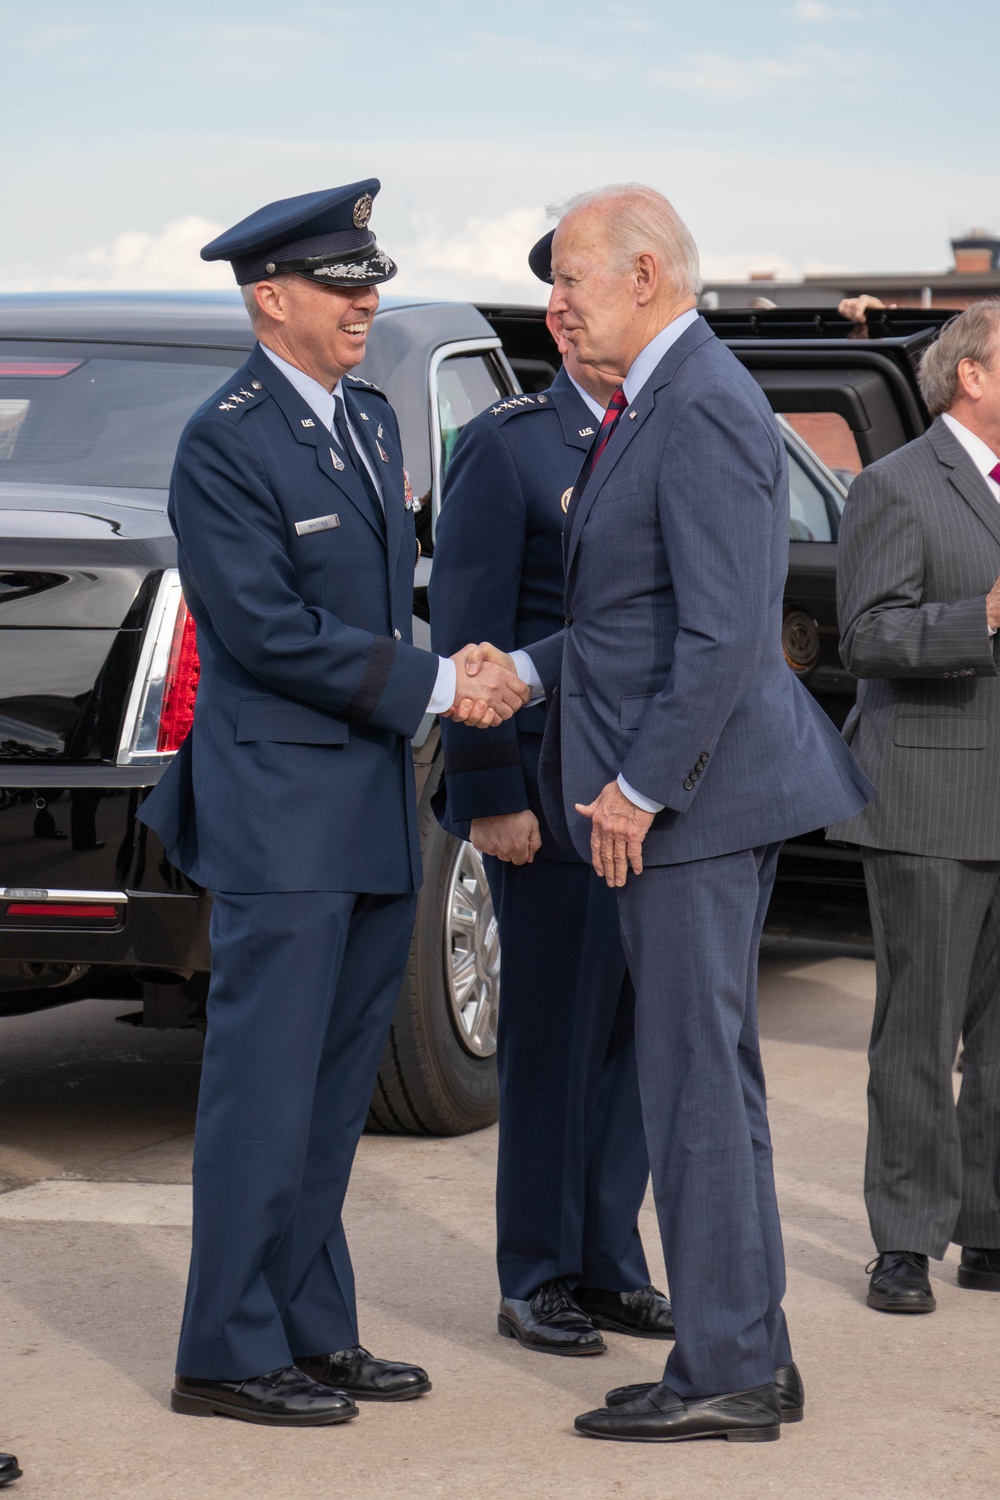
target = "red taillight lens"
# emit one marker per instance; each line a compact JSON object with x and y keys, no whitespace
{"x":181,"y":686}
{"x":39,"y":368}
{"x":87,"y":912}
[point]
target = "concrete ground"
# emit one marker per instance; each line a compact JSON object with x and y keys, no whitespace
{"x":95,"y":1126}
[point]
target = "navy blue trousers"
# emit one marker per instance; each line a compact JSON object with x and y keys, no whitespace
{"x":303,"y":990}
{"x":692,"y":933}
{"x":572,"y":1168}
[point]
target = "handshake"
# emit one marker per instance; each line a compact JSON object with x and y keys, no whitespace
{"x":487,"y":688}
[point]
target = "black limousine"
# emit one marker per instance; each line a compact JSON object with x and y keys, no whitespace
{"x":98,"y":655}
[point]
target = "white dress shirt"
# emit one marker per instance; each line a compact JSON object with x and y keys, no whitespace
{"x":640,"y":370}
{"x":323,"y":403}
{"x":982,"y":456}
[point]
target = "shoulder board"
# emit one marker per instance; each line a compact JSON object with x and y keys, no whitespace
{"x":240,"y":398}
{"x":369,"y":385}
{"x":503,"y":409}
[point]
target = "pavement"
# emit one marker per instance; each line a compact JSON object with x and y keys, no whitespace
{"x":95,"y":1144}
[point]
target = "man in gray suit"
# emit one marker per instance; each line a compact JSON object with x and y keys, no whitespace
{"x":919,"y":605}
{"x":679,"y":752}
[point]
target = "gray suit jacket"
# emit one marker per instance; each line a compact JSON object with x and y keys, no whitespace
{"x":919,"y":552}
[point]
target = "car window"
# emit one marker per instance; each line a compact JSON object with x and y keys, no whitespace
{"x":831,"y":439}
{"x":108,"y":418}
{"x":466,"y":385}
{"x":810,"y":518}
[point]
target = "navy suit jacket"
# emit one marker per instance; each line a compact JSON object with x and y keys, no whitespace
{"x":498,"y":576}
{"x":670,"y":669}
{"x":297,"y":774}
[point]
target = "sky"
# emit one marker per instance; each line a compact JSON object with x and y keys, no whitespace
{"x":794,"y":136}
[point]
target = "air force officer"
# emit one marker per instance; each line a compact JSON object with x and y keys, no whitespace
{"x":293,"y":801}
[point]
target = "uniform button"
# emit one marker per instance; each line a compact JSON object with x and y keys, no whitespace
{"x":568,"y":620}
{"x":255,"y":385}
{"x":396,"y":635}
{"x":689,"y":785}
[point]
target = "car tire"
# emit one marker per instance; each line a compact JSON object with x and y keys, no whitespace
{"x":432,"y":1080}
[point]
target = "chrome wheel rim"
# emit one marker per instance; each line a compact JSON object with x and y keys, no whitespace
{"x":472,"y":954}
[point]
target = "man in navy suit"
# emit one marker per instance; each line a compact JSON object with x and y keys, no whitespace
{"x":572,"y":1167}
{"x":293,"y":801}
{"x":679,"y":753}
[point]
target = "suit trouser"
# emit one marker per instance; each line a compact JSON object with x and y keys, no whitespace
{"x":303,"y":990}
{"x":572,"y":1167}
{"x":931,"y":1174}
{"x":692,"y":934}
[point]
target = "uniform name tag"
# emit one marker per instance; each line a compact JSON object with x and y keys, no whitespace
{"x":318,"y":523}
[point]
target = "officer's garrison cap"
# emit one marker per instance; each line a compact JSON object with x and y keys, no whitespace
{"x":322,"y":236}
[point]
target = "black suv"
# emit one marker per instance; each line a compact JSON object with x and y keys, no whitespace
{"x":98,"y":657}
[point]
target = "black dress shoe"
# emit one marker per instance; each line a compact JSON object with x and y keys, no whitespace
{"x":550,"y":1323}
{"x":364,"y":1377}
{"x":283,"y":1398}
{"x":660,"y":1416}
{"x":8,"y":1469}
{"x":644,"y":1313}
{"x":980,"y":1269}
{"x":900,"y":1283}
{"x":787,"y":1383}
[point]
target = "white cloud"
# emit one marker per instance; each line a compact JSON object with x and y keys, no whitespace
{"x":719,"y":75}
{"x":134,"y":260}
{"x":485,"y":257}
{"x":526,"y":54}
{"x":818,"y":12}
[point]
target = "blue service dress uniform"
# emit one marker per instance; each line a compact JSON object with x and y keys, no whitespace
{"x":293,"y":801}
{"x":572,"y":1167}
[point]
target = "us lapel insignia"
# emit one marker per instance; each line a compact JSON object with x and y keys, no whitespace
{"x":363,"y":415}
{"x":338,"y":463}
{"x":382,"y":453}
{"x":308,"y":422}
{"x":586,"y":432}
{"x":566,"y":497}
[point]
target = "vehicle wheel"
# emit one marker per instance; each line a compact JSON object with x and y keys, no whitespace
{"x":438,"y":1074}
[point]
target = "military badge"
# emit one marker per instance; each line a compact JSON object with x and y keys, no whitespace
{"x":567,"y":495}
{"x":382,"y":453}
{"x":362,"y":211}
{"x":407,"y":491}
{"x":338,"y":463}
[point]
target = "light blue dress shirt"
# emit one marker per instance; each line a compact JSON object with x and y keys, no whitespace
{"x":323,"y":403}
{"x":640,"y":370}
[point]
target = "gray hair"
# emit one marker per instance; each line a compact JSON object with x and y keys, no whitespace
{"x":970,"y":335}
{"x":250,"y":303}
{"x":645,"y":222}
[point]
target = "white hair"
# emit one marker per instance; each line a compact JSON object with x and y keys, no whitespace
{"x":970,"y":335}
{"x":250,"y":303}
{"x":644,"y":222}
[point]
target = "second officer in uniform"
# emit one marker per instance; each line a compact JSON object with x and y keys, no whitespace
{"x":572,"y":1167}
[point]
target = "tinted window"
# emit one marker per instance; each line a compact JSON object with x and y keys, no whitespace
{"x":466,"y":385}
{"x":100,"y":417}
{"x":810,"y":516}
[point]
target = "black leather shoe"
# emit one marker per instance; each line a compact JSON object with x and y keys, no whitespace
{"x":900,"y":1283}
{"x":8,"y":1469}
{"x":644,"y":1313}
{"x":364,"y":1377}
{"x":980,"y":1269}
{"x":550,"y":1323}
{"x":283,"y":1398}
{"x":787,"y":1383}
{"x":660,"y":1416}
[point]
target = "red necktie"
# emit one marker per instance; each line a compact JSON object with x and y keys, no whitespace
{"x":609,"y":422}
{"x":995,"y":473}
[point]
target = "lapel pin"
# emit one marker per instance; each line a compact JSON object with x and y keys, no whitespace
{"x":631,"y":416}
{"x":338,"y":463}
{"x":363,"y":415}
{"x":586,"y":432}
{"x":379,"y":433}
{"x":382,"y":453}
{"x":308,"y":422}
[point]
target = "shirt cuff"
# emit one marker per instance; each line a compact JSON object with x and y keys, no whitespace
{"x":645,"y":803}
{"x":525,"y":669}
{"x":443,"y":696}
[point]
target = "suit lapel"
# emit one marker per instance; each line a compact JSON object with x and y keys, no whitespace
{"x":629,"y":424}
{"x":374,"y":435}
{"x":965,"y":476}
{"x":307,"y":429}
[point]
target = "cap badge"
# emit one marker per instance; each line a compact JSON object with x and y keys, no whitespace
{"x":362,"y":211}
{"x":566,"y":496}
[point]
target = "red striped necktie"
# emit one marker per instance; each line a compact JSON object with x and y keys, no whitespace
{"x":609,"y":422}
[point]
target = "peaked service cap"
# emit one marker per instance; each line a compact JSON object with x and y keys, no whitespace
{"x":322,"y":236}
{"x":540,"y":257}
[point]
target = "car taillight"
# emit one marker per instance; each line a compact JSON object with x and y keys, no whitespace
{"x":183,"y":671}
{"x":161,"y":706}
